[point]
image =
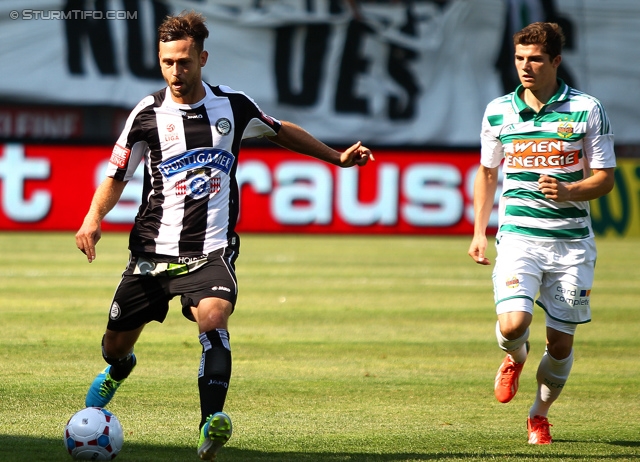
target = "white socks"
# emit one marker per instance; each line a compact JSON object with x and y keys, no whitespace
{"x":552,"y":375}
{"x":515,"y":348}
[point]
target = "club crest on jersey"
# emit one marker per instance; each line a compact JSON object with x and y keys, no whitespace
{"x":223,"y":126}
{"x":213,"y":158}
{"x":565,"y":130}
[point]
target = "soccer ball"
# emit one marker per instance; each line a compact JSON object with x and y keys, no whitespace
{"x":93,"y":434}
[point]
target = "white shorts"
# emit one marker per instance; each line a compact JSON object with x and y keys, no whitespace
{"x":560,"y":272}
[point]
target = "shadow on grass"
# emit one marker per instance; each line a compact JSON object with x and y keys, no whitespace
{"x":25,"y":448}
{"x":629,"y":444}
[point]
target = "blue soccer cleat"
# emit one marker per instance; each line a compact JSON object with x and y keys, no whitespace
{"x":103,"y":388}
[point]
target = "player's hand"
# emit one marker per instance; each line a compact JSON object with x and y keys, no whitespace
{"x":477,"y":250}
{"x":552,"y":188}
{"x":87,"y":237}
{"x":356,"y":155}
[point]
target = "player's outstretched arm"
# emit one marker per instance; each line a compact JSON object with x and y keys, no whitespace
{"x":295,"y":138}
{"x":104,"y":199}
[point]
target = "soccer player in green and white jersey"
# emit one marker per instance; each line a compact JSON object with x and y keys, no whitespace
{"x":557,"y":147}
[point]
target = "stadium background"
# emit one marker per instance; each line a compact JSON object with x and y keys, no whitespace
{"x":410,"y":79}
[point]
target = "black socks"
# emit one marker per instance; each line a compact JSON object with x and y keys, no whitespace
{"x":215,"y":372}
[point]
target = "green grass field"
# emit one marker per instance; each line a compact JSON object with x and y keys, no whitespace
{"x":345,"y":349}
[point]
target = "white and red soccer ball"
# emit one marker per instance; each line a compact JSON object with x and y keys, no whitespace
{"x":93,"y":433}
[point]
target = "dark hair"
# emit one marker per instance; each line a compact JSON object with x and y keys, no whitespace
{"x":185,"y":25}
{"x":547,"y":34}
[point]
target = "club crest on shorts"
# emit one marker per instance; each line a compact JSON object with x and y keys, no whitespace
{"x":512,"y":282}
{"x":114,"y":313}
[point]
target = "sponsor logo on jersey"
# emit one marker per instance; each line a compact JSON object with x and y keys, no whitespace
{"x":189,"y":260}
{"x":119,"y":156}
{"x":198,"y":158}
{"x":170,"y":136}
{"x":144,"y":266}
{"x":198,"y":186}
{"x":528,"y":154}
{"x":223,"y":126}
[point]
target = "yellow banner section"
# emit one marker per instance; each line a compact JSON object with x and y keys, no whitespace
{"x":618,"y":213}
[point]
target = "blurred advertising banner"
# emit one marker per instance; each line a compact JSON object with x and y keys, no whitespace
{"x":388,"y":72}
{"x":403,"y":192}
{"x":41,"y":122}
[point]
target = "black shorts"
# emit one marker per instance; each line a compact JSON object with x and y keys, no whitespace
{"x":141,"y":298}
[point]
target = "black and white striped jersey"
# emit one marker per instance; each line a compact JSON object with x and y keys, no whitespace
{"x":190,"y":200}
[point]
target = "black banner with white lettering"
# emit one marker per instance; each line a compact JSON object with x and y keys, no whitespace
{"x":391,"y":73}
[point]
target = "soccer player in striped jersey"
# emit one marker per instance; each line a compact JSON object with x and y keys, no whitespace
{"x":555,"y":145}
{"x":183,"y":242}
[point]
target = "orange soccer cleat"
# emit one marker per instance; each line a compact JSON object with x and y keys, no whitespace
{"x":506,"y":383}
{"x":538,"y":428}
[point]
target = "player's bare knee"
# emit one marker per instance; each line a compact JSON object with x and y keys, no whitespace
{"x":513,"y":327}
{"x":514,"y":317}
{"x":560,"y":337}
{"x":115,"y":351}
{"x":213,"y":314}
{"x":559,"y":344}
{"x":559,"y":351}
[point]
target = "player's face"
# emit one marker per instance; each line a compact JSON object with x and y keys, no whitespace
{"x":181,"y":66}
{"x":536,"y":69}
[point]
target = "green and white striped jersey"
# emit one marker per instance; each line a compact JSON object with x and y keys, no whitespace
{"x":570,"y":135}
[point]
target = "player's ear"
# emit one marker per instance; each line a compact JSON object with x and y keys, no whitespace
{"x":203,"y":58}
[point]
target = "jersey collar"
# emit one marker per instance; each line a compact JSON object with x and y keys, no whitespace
{"x":561,"y":95}
{"x":170,"y":102}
